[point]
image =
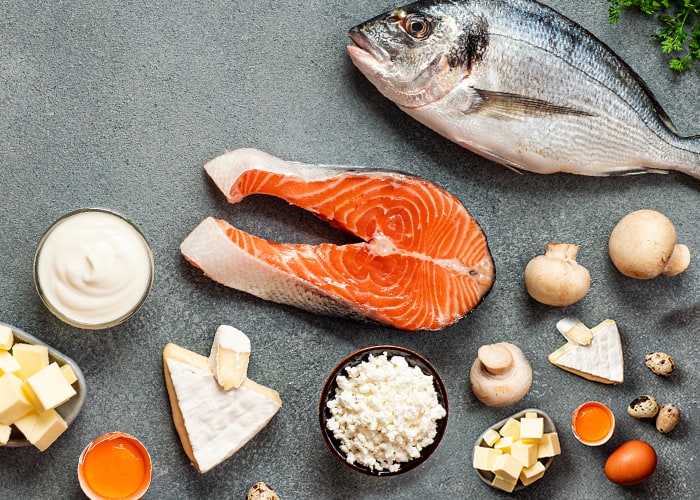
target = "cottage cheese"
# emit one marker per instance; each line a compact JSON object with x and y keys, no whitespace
{"x":384,"y":412}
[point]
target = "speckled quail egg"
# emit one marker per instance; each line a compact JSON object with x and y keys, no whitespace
{"x":669,"y":416}
{"x":262,"y":491}
{"x":660,"y":363}
{"x":643,"y":407}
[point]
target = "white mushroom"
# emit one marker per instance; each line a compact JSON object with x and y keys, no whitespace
{"x":555,"y":278}
{"x":500,"y":375}
{"x":643,"y":246}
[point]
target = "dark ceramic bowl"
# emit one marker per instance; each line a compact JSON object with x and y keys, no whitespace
{"x":487,"y":476}
{"x":357,"y":357}
{"x":68,"y":410}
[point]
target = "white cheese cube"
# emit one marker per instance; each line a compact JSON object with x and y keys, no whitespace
{"x":50,"y":388}
{"x":549,"y":445}
{"x":8,"y":364}
{"x":42,"y":429}
{"x":507,"y":467}
{"x":504,"y":444}
{"x":504,"y":483}
{"x":5,"y":431}
{"x":31,"y":359}
{"x":7,"y":338}
{"x":484,"y":457}
{"x":525,"y":453}
{"x":69,"y":374}
{"x":13,"y":402}
{"x":531,"y":429}
{"x":491,"y":436}
{"x":531,"y":474}
{"x":511,"y":429}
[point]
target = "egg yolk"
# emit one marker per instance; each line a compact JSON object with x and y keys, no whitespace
{"x":592,"y":423}
{"x":114,"y":468}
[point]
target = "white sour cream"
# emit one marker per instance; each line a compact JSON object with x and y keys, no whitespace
{"x":93,"y":268}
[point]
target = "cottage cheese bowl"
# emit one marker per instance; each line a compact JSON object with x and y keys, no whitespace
{"x":93,"y":268}
{"x":383,"y":410}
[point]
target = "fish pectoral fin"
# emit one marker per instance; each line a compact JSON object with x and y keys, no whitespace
{"x":509,"y":106}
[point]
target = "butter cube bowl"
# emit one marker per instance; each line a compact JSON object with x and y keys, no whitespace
{"x":68,"y":410}
{"x":485,"y":437}
{"x":329,"y":392}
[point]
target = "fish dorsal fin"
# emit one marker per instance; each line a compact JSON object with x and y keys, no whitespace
{"x":509,"y":106}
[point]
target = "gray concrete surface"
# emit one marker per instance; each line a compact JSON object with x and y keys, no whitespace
{"x":119,"y":104}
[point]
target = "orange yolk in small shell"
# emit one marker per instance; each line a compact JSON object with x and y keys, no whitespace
{"x":116,"y":467}
{"x":592,"y":422}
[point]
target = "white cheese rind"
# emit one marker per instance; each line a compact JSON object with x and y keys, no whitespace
{"x":218,"y":423}
{"x":230,"y":353}
{"x":601,"y":361}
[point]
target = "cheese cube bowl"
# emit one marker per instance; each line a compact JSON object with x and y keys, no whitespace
{"x":357,"y":357}
{"x":68,"y":410}
{"x":487,"y":476}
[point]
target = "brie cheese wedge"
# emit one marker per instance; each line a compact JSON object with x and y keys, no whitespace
{"x":600,"y":361}
{"x":213,"y":423}
{"x":229,"y":357}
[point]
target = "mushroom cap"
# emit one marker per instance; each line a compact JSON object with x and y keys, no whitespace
{"x":500,"y":375}
{"x":641,"y":244}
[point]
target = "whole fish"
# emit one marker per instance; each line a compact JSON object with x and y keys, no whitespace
{"x":517,"y":82}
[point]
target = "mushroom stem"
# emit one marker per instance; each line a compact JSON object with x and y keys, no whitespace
{"x":567,"y":250}
{"x":678,"y":262}
{"x":495,"y":358}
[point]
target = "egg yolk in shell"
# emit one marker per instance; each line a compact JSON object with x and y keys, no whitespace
{"x":115,"y":468}
{"x":593,"y":422}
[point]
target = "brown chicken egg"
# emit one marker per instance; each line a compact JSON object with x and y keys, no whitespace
{"x":631,"y":463}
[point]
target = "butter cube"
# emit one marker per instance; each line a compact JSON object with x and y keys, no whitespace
{"x":50,"y":388}
{"x":69,"y":374}
{"x":491,"y":436}
{"x":42,"y":429}
{"x":5,"y":431}
{"x":504,"y":444}
{"x":503,"y":483}
{"x":8,"y":364}
{"x":484,"y":457}
{"x":511,"y":429}
{"x":525,"y":453}
{"x":530,"y":414}
{"x":531,"y":474}
{"x":31,"y":359}
{"x":549,"y":445}
{"x":531,"y":429}
{"x":7,"y":338}
{"x":507,"y":467}
{"x":13,"y":403}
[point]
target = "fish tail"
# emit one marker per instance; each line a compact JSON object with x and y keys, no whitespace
{"x":688,"y":157}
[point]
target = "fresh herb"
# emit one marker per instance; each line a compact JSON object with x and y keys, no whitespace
{"x":679,"y":34}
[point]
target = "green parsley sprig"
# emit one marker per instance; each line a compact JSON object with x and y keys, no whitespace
{"x":679,"y":33}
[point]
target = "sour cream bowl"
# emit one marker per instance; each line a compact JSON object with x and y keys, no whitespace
{"x":387,"y":391}
{"x":93,"y":268}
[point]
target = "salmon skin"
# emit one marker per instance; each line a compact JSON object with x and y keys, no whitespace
{"x":422,"y":263}
{"x":522,"y":85}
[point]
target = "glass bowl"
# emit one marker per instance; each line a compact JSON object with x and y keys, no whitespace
{"x":93,"y":268}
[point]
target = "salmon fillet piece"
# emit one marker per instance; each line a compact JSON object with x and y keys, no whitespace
{"x":422,"y":264}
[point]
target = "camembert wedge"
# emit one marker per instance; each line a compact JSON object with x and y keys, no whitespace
{"x":600,"y":361}
{"x":213,"y":423}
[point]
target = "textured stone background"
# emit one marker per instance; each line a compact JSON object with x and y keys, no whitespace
{"x":119,"y":105}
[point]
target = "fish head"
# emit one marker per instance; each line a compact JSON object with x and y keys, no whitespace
{"x":417,"y":54}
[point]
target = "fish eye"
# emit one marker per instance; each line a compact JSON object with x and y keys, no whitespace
{"x":417,"y":26}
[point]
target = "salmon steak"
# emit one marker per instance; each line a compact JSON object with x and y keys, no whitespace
{"x":421,"y":261}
